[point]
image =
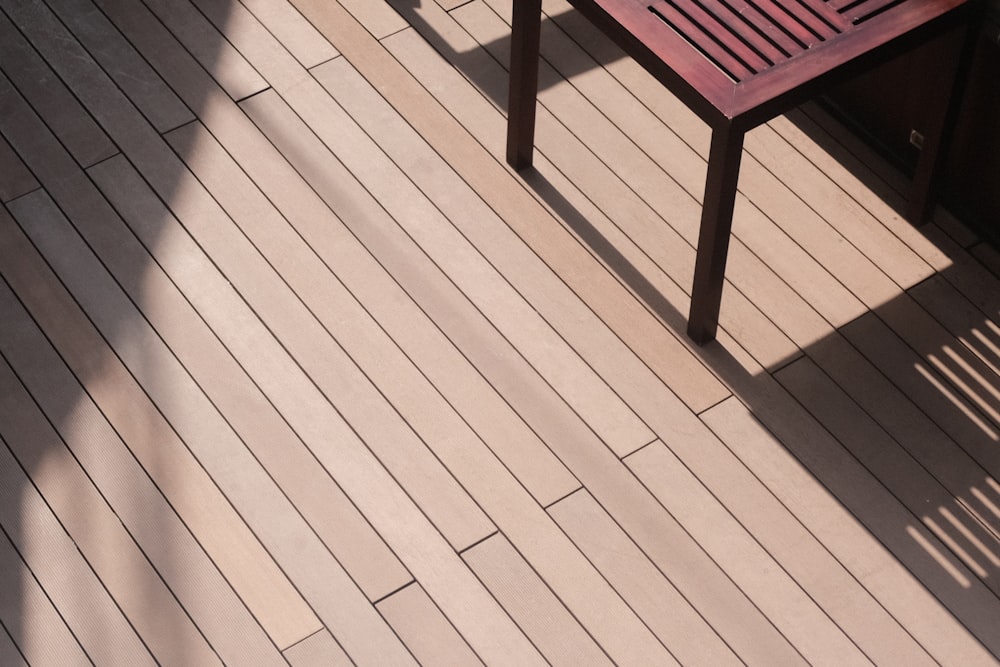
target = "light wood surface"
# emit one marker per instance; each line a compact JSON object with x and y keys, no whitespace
{"x":294,"y":370}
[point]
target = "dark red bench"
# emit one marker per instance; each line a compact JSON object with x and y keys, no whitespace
{"x":737,"y":64}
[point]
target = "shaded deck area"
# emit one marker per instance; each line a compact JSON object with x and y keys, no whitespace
{"x":294,"y":370}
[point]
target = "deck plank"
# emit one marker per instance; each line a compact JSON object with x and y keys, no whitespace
{"x":219,"y":58}
{"x":345,"y":455}
{"x":972,"y":542}
{"x":177,"y":473}
{"x":9,"y":653}
{"x":40,"y":85}
{"x":688,"y":636}
{"x":317,"y":650}
{"x":803,"y":590}
{"x":860,"y":172}
{"x":42,"y":635}
{"x":427,"y":227}
{"x":55,"y":561}
{"x":524,"y":522}
{"x":290,"y":28}
{"x":924,"y":440}
{"x":340,"y":353}
{"x":514,"y":205}
{"x":140,"y":83}
{"x":890,"y":560}
{"x":333,"y":377}
{"x":964,"y":322}
{"x":920,"y":381}
{"x":425,"y":630}
{"x":15,"y":178}
{"x":171,"y":548}
{"x":514,"y":317}
{"x":206,"y":427}
{"x":378,"y":18}
{"x":556,"y":633}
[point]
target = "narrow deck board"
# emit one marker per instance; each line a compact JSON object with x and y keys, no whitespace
{"x":919,"y":380}
{"x":37,"y":82}
{"x":40,"y":632}
{"x":57,"y":564}
{"x":134,"y":76}
{"x":289,"y":354}
{"x":861,"y":177}
{"x":289,"y":27}
{"x":803,"y":590}
{"x":964,"y":322}
{"x":427,"y":227}
{"x":333,"y":376}
{"x":564,"y":198}
{"x":924,"y":440}
{"x":493,"y":295}
{"x":207,"y":428}
{"x":15,"y":178}
{"x":584,"y":454}
{"x":555,"y":632}
{"x":915,"y":488}
{"x":317,"y":650}
{"x":525,"y":523}
{"x":514,"y":204}
{"x":425,"y":630}
{"x":377,"y":17}
{"x":219,"y":58}
{"x":170,"y":464}
{"x":192,"y":577}
{"x":293,"y":466}
{"x":689,"y":637}
{"x":877,"y":562}
{"x":9,"y":653}
{"x":343,"y":453}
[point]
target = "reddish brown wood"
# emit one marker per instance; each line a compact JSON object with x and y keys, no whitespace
{"x":525,"y":29}
{"x":737,"y":64}
{"x":713,"y":238}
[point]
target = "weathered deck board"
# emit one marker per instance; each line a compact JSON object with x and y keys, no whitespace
{"x":295,"y":369}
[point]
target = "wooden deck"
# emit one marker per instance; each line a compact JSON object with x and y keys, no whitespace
{"x":294,"y":369}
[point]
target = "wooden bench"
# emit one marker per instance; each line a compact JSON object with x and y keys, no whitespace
{"x":737,"y":64}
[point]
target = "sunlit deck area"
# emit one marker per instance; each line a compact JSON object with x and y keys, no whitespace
{"x":295,"y":370}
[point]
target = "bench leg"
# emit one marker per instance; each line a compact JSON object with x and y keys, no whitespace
{"x":525,"y":37}
{"x":923,"y":189}
{"x":713,"y":238}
